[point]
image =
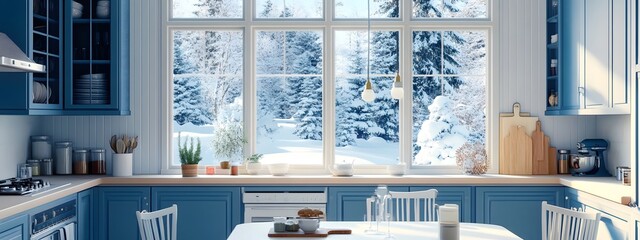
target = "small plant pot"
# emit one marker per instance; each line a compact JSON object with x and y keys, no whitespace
{"x":253,"y":167}
{"x":189,"y":170}
{"x":225,"y":165}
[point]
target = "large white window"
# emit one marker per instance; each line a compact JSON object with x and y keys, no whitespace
{"x":288,"y":75}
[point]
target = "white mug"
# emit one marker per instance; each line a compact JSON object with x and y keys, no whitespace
{"x":309,"y":225}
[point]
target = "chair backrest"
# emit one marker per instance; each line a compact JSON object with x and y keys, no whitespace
{"x":158,"y":225}
{"x":414,"y":206}
{"x":561,"y":223}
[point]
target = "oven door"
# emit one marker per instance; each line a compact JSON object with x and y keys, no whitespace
{"x":65,"y":232}
{"x":266,"y":212}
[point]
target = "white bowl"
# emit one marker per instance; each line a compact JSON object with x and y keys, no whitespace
{"x":77,"y":5}
{"x":396,"y":169}
{"x":75,"y":13}
{"x":279,"y":169}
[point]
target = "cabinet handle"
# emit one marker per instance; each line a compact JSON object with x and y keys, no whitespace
{"x":566,"y":198}
{"x":581,"y":90}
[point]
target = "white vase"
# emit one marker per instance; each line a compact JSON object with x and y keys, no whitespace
{"x":253,"y":168}
{"x":122,"y":164}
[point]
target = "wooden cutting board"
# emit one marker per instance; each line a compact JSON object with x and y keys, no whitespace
{"x":321,"y":232}
{"x":540,"y":164}
{"x":508,"y":120}
{"x":553,"y":162}
{"x":517,"y":152}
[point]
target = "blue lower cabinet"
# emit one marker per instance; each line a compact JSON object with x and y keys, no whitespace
{"x":453,"y":195}
{"x":611,"y":227}
{"x":116,"y":208}
{"x":349,"y":203}
{"x":516,"y":208}
{"x":203,"y":212}
{"x":15,"y":228}
{"x":85,"y":214}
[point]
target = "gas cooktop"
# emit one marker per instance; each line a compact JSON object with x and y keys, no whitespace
{"x":15,"y":186}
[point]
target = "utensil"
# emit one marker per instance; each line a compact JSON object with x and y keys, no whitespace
{"x":517,"y":152}
{"x":120,"y":146}
{"x":134,"y":144}
{"x":113,"y":143}
{"x":540,"y":151}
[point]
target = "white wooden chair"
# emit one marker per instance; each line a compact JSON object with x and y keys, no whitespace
{"x":561,"y":224}
{"x":158,"y":225}
{"x":414,"y":206}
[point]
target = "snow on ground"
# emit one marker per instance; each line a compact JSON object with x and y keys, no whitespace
{"x":282,"y":145}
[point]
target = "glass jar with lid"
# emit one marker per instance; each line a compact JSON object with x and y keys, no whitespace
{"x":35,"y":166}
{"x":98,"y":163}
{"x":40,"y":147}
{"x":63,"y":158}
{"x":80,"y":161}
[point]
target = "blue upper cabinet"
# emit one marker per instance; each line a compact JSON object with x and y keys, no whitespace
{"x":87,"y":58}
{"x":593,"y":61}
{"x":37,"y":28}
{"x":97,"y":62}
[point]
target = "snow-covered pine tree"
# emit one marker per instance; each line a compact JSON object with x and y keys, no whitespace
{"x":349,"y":106}
{"x":306,"y":59}
{"x":188,"y":102}
{"x":385,"y":61}
{"x":441,"y":135}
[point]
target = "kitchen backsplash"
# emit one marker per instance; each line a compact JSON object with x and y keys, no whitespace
{"x":14,"y":142}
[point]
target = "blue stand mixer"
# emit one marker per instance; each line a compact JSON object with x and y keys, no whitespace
{"x":590,"y":160}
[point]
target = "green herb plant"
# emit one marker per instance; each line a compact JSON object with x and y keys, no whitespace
{"x":255,"y":158}
{"x":187,"y":154}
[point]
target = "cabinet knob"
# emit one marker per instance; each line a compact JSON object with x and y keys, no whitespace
{"x":566,"y":198}
{"x":581,"y":90}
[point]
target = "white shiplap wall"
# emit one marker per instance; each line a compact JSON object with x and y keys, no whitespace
{"x":146,"y":80}
{"x":519,"y":72}
{"x":14,"y":142}
{"x":520,"y":69}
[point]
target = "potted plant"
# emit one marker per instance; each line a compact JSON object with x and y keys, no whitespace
{"x":228,"y":142}
{"x":253,"y":164}
{"x":189,"y":157}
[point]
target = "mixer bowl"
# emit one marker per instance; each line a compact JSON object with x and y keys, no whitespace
{"x":583,"y":163}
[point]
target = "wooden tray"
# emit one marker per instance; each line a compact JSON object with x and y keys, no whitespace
{"x":321,"y":232}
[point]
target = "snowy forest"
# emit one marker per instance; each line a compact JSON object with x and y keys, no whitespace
{"x":449,"y":84}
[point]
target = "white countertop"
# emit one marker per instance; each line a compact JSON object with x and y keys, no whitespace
{"x":604,"y":187}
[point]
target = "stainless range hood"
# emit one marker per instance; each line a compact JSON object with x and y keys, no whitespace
{"x":12,"y":59}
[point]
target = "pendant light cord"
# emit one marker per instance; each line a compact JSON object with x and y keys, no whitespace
{"x":368,"y":39}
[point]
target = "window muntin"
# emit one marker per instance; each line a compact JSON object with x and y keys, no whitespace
{"x":449,"y":93}
{"x":282,"y":9}
{"x":450,"y":9}
{"x":203,"y":9}
{"x":289,"y":96}
{"x":357,"y":9}
{"x":207,"y":87}
{"x":366,"y":133}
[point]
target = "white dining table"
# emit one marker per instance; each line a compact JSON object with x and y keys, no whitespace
{"x":400,"y":231}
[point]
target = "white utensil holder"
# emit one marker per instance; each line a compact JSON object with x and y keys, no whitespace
{"x":122,"y":164}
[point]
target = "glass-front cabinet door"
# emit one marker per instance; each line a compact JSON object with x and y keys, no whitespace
{"x":47,"y":45}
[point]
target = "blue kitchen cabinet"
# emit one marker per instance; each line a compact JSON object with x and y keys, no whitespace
{"x":97,"y":60}
{"x":116,"y":211}
{"x":593,"y":58}
{"x":36,"y":28}
{"x":611,"y":227}
{"x":516,"y":208}
{"x":456,"y":195}
{"x":15,"y":227}
{"x":349,"y":203}
{"x":85,"y":213}
{"x":203,"y":212}
{"x":70,"y":48}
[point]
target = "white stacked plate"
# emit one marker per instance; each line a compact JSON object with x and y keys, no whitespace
{"x":40,"y":92}
{"x":91,"y":89}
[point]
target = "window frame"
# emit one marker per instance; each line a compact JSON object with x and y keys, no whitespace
{"x":249,"y":24}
